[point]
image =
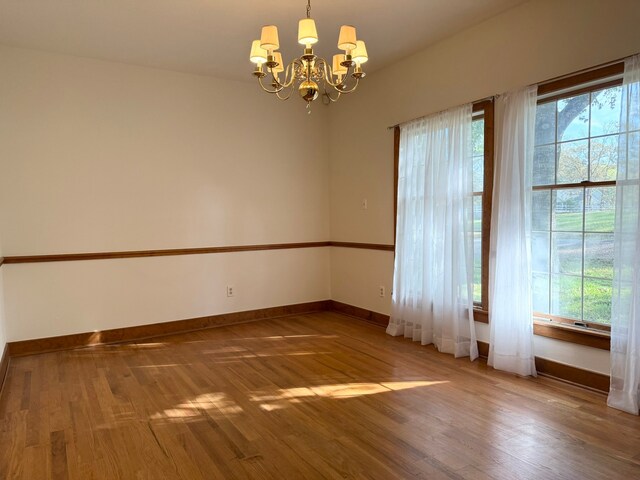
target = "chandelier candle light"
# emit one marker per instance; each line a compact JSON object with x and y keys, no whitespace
{"x":308,"y":70}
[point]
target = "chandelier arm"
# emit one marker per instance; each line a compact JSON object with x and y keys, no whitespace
{"x":331,"y":99}
{"x":286,"y":96}
{"x":275,"y":82}
{"x":266,"y":89}
{"x":339,"y":87}
{"x":328,"y":73}
{"x":349,"y":90}
{"x":290,"y":75}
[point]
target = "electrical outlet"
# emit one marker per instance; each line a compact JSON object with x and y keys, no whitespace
{"x":230,"y":291}
{"x":382,"y":291}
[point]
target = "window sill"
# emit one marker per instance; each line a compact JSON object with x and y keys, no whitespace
{"x":480,"y":315}
{"x":582,"y":336}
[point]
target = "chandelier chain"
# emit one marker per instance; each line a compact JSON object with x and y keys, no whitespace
{"x":308,"y":8}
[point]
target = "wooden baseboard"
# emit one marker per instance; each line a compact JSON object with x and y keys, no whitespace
{"x":4,"y":366}
{"x":376,"y":318}
{"x":574,"y":375}
{"x":565,"y":373}
{"x":548,"y":368}
{"x":126,"y":334}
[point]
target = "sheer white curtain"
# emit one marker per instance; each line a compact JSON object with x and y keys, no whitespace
{"x":625,"y":309}
{"x":433,"y":276}
{"x":510,"y":311}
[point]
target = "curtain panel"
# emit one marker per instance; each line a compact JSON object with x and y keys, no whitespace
{"x":625,"y":309}
{"x":510,"y":310}
{"x":433,"y":273}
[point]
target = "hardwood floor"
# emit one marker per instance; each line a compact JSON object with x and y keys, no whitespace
{"x":313,"y":396}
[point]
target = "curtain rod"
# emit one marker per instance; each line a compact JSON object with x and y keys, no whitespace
{"x":485,"y":99}
{"x":543,"y":82}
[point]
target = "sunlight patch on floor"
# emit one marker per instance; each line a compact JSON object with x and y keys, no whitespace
{"x":215,"y":404}
{"x":341,"y":390}
{"x":209,"y":403}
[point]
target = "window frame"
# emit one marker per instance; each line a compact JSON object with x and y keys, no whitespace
{"x":587,"y":333}
{"x":481,"y":310}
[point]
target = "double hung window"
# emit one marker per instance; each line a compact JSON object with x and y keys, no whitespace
{"x":577,"y":141}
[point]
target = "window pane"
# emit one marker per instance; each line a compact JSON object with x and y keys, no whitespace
{"x":573,"y":118}
{"x":477,"y":285}
{"x":546,"y":123}
{"x":598,"y":255}
{"x":541,"y":218}
{"x":540,"y":293}
{"x":478,"y":174}
{"x":478,"y":145}
{"x":544,"y":165}
{"x":540,"y":252}
{"x":566,"y":296}
{"x":605,"y":111}
{"x":566,"y":253}
{"x":477,"y":213}
{"x":477,"y":250}
{"x":567,"y":209}
{"x":600,"y":209}
{"x":603,"y":158}
{"x":573,"y":161}
{"x":477,"y":131}
{"x":597,"y":300}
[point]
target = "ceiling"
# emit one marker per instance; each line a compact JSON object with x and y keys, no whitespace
{"x":213,"y":37}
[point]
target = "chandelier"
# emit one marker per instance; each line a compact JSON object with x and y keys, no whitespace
{"x":308,"y":72}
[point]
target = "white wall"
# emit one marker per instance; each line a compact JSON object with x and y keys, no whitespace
{"x":99,"y":156}
{"x":50,"y":299}
{"x":530,"y":43}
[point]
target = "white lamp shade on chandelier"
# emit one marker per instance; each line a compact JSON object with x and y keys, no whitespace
{"x":347,"y":38}
{"x":258,"y":54}
{"x":359,"y":53}
{"x":307,"y":33}
{"x":309,"y":72}
{"x":269,"y":38}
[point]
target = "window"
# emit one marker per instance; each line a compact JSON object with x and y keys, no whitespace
{"x":482,"y":136}
{"x":482,"y":132}
{"x":573,"y":200}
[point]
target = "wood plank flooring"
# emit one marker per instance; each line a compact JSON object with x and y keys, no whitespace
{"x":319,"y":396}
